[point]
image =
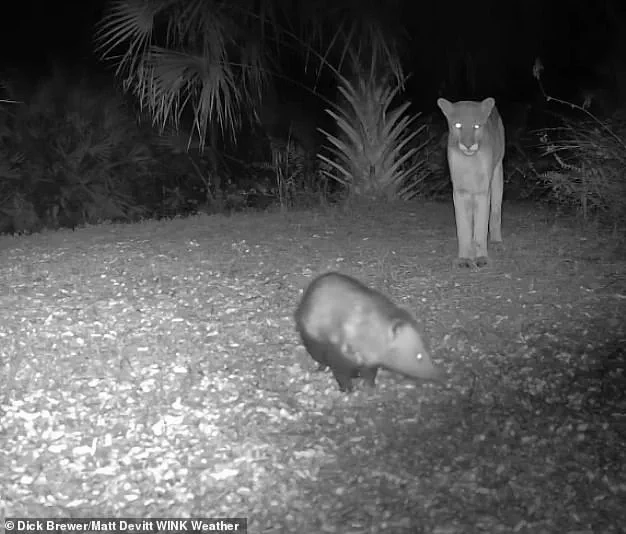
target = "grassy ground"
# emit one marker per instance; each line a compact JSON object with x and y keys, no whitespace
{"x":153,"y":370}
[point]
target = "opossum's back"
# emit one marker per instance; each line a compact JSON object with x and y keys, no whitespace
{"x":334,"y":300}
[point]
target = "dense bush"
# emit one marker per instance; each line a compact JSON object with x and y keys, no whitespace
{"x":72,"y":154}
{"x":588,"y":167}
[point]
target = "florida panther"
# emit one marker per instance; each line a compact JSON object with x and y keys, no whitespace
{"x":475,"y":153}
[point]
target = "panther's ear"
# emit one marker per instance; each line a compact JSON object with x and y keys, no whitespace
{"x":445,"y":106}
{"x":486,"y":106}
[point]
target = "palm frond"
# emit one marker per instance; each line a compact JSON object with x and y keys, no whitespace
{"x":371,"y":152}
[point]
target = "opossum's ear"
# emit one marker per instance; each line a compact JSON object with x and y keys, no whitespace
{"x":396,"y":327}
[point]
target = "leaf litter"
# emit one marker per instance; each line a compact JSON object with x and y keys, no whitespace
{"x":153,"y":370}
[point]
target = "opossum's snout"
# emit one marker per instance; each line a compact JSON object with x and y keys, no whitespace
{"x":427,"y":370}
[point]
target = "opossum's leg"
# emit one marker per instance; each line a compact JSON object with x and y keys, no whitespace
{"x":343,"y":377}
{"x":339,"y":355}
{"x":318,"y":352}
{"x":369,"y":374}
{"x":357,"y":363}
{"x":342,"y":368}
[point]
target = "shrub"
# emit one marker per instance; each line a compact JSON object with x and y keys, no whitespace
{"x":75,"y":155}
{"x":588,"y":167}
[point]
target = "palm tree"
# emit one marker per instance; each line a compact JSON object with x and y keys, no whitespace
{"x":213,"y":57}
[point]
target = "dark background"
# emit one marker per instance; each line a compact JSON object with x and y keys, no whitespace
{"x":460,"y":50}
{"x":579,"y":43}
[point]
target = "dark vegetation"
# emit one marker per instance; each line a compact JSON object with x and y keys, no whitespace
{"x":75,"y":153}
{"x":260,"y":133}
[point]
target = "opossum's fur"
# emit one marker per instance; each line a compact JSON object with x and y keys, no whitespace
{"x":354,"y":330}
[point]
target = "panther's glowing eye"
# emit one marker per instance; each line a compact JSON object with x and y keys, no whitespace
{"x":458,"y":125}
{"x":476,"y":126}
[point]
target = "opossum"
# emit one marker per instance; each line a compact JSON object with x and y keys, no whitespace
{"x":355,"y":330}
